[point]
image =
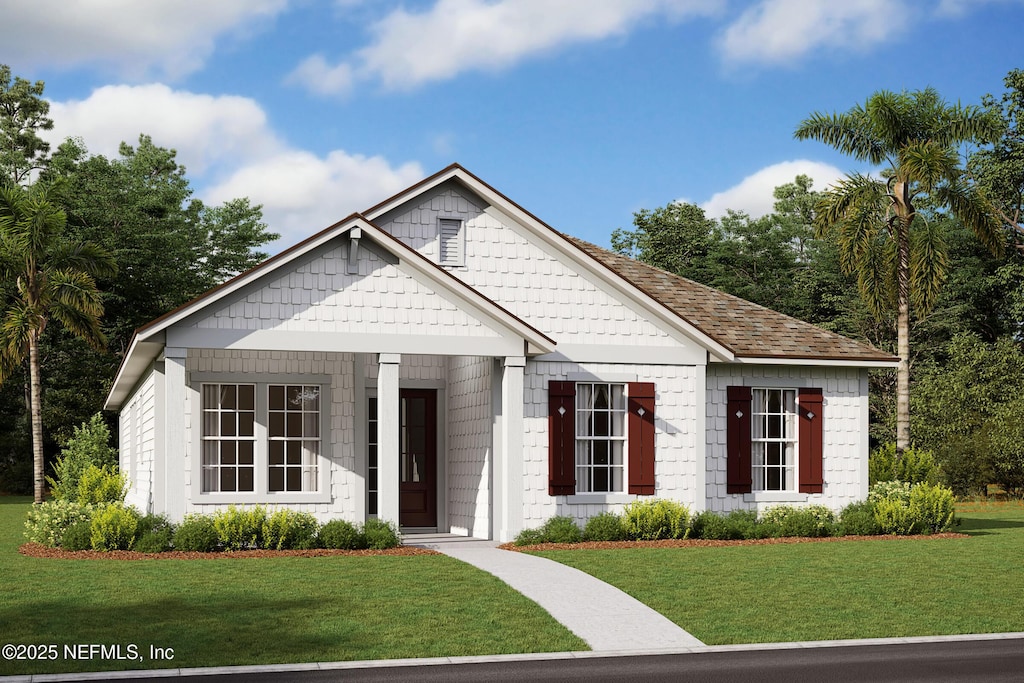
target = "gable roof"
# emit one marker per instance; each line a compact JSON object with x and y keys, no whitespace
{"x":745,"y":328}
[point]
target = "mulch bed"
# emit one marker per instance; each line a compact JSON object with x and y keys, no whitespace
{"x":703,"y":543}
{"x":37,"y":550}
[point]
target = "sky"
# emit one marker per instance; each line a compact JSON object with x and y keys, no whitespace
{"x":581,"y":111}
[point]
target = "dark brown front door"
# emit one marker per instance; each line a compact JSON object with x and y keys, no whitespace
{"x":417,"y":452}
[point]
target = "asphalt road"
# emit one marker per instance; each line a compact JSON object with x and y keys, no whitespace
{"x":960,"y":661}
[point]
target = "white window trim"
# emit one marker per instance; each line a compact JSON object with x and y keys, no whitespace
{"x":460,"y":242}
{"x":770,"y":495}
{"x":602,"y":496}
{"x":261,"y":475}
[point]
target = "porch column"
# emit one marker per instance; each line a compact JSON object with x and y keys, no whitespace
{"x":174,"y":434}
{"x":511,"y":512}
{"x":387,"y":436}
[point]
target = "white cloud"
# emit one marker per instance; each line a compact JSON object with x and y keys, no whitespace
{"x":456,"y":36}
{"x":779,"y":31}
{"x":175,"y":36}
{"x":753,"y":194}
{"x":230,"y":151}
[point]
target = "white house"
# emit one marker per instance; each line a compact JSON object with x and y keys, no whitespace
{"x":447,"y":360}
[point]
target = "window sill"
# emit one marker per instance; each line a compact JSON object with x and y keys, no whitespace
{"x":775,"y":497}
{"x":600,"y":498}
{"x":260,"y":498}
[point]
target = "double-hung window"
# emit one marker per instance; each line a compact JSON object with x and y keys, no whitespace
{"x":260,"y":438}
{"x":600,"y":437}
{"x":773,"y":439}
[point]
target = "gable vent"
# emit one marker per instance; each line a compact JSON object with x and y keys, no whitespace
{"x":450,"y":240}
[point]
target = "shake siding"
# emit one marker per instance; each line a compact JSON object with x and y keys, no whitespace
{"x":844,"y":443}
{"x":320,"y":296}
{"x":469,"y":444}
{"x":338,"y":445}
{"x":521,"y":275}
{"x":675,"y":436}
{"x":413,"y":367}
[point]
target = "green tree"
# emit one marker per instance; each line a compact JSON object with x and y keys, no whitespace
{"x":895,"y":250}
{"x":23,"y":112}
{"x":1000,"y":169}
{"x":675,"y":237}
{"x":55,"y":279}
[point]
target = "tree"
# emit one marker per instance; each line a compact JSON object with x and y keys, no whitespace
{"x":55,"y":279}
{"x":675,"y":237}
{"x":894,"y":249}
{"x":1000,"y":170}
{"x":23,"y":111}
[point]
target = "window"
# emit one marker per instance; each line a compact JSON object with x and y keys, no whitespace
{"x":773,"y":442}
{"x":600,"y":437}
{"x":371,"y":457}
{"x":260,"y":438}
{"x":450,"y":240}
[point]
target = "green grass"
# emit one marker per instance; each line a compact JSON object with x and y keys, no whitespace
{"x":261,"y":611}
{"x":826,"y":591}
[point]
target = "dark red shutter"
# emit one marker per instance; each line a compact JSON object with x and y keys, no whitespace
{"x":811,"y":436}
{"x":561,"y":438}
{"x":737,"y":440}
{"x":640,"y":436}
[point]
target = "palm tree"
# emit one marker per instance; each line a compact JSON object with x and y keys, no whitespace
{"x":897,"y":254}
{"x":52,"y":278}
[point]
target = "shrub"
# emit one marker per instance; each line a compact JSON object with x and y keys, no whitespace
{"x":78,"y":536}
{"x":1005,"y":434}
{"x":48,"y":522}
{"x":738,"y":524}
{"x":287,"y":529}
{"x":649,"y":520}
{"x":113,"y":527}
{"x":858,"y":519}
{"x":890,"y":490}
{"x":154,"y":541}
{"x":606,"y":526}
{"x":196,"y":533}
{"x":381,"y":535}
{"x":240,"y":528}
{"x":101,"y":485}
{"x":338,"y":534}
{"x":932,"y":508}
{"x":965,"y":463}
{"x":561,"y":530}
{"x":88,"y":445}
{"x":785,"y":520}
{"x":894,"y":517}
{"x":913,"y":466}
{"x":529,"y":537}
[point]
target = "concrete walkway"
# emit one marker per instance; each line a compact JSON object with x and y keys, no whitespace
{"x":605,"y":617}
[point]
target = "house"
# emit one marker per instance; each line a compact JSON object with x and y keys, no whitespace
{"x":447,"y":360}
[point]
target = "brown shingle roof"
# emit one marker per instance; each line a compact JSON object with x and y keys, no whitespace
{"x":743,"y":327}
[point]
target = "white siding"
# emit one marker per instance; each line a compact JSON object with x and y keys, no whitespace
{"x":845,"y":430}
{"x":675,"y":436}
{"x":137,"y":443}
{"x":469,"y":445}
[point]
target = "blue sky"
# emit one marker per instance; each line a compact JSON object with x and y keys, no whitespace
{"x":582,"y":111}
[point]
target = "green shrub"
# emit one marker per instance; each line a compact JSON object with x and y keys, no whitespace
{"x":78,"y":536}
{"x":738,"y":524}
{"x":529,"y":537}
{"x":1005,"y":435}
{"x":88,"y":445}
{"x":858,"y":519}
{"x":561,"y":530}
{"x":890,"y":490}
{"x":240,"y":528}
{"x":101,"y":485}
{"x":196,"y":533}
{"x":894,"y":517}
{"x":339,"y":534}
{"x":649,"y":520}
{"x":381,"y":535}
{"x":287,"y":529}
{"x":932,"y":508}
{"x":606,"y":526}
{"x":48,"y":522}
{"x":113,"y":527}
{"x":785,"y":520}
{"x":154,"y":541}
{"x":965,"y":463}
{"x":153,"y":522}
{"x":915,"y":465}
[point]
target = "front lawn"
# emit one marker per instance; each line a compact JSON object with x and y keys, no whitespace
{"x":826,"y":591}
{"x":258,"y":611}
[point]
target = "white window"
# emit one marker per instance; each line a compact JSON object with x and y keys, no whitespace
{"x":773,"y":450}
{"x":451,"y":242}
{"x":260,"y":438}
{"x":600,"y":437}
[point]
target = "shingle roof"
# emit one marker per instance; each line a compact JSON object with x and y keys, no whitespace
{"x":743,"y":327}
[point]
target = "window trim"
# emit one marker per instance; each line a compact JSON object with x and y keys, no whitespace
{"x":792,"y":419}
{"x":622,"y":439}
{"x":261,"y":459}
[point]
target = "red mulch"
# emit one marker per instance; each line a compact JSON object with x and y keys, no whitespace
{"x":703,"y":543}
{"x":37,"y":550}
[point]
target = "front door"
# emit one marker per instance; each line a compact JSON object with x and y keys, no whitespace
{"x":417,"y":452}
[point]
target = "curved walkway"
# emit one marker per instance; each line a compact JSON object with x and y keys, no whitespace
{"x":608,"y":619}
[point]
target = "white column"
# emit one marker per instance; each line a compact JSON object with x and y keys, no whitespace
{"x":387,"y":436}
{"x":175,"y":463}
{"x":511,"y":476}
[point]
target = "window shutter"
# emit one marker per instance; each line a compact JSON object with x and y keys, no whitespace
{"x":811,"y":436}
{"x":561,"y":438}
{"x":450,"y":242}
{"x":738,"y":474}
{"x":640,"y":437}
